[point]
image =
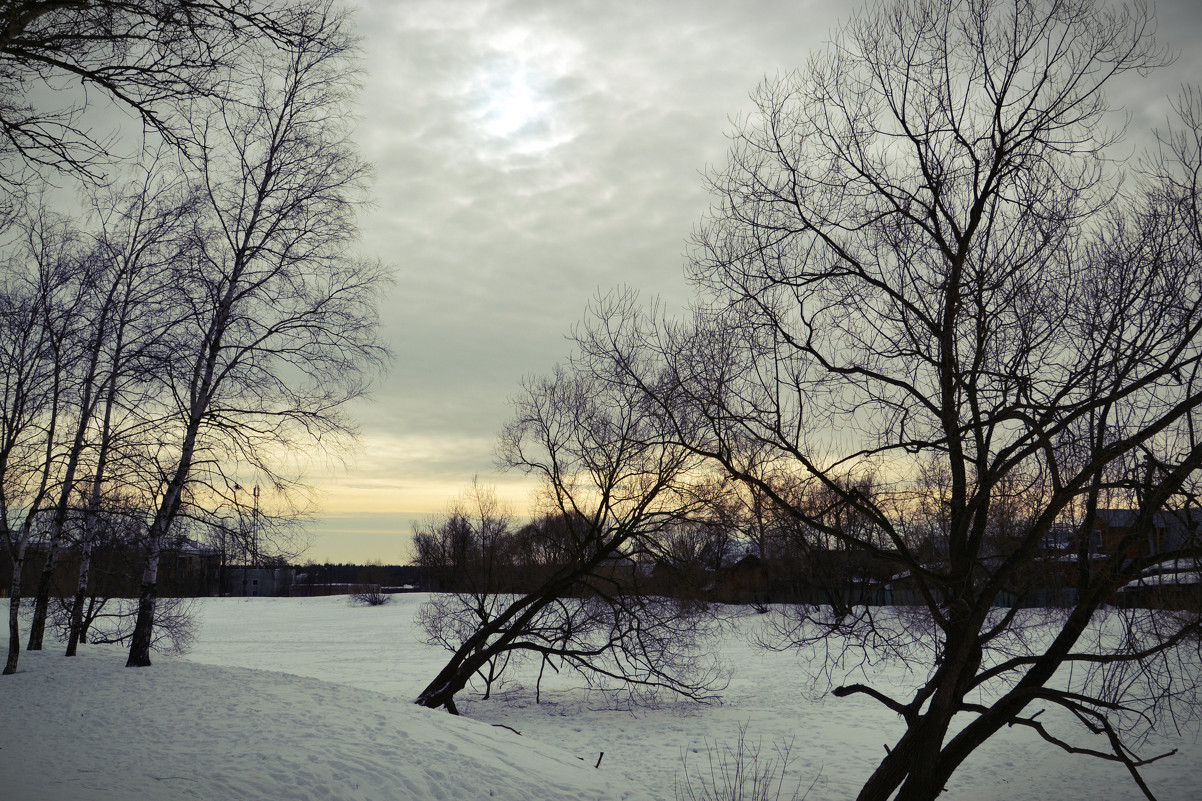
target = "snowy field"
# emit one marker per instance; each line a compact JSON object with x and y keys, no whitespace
{"x":310,"y":699}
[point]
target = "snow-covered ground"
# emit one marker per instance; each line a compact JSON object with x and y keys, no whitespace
{"x":310,"y":698}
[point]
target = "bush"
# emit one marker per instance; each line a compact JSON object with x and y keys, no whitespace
{"x":110,"y":621}
{"x":369,"y":595}
{"x":741,"y":772}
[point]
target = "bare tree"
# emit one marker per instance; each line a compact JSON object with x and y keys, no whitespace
{"x":470,"y":550}
{"x":140,"y":232}
{"x":105,"y":526}
{"x":152,"y":58}
{"x":937,"y":322}
{"x":611,"y":486}
{"x":277,"y":324}
{"x":110,"y":621}
{"x":33,"y":364}
{"x":218,"y":317}
{"x":370,"y":595}
{"x":100,"y":332}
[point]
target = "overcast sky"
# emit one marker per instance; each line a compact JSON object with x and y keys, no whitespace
{"x":529,"y":155}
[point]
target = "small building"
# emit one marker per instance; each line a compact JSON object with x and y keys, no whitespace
{"x":252,"y":582}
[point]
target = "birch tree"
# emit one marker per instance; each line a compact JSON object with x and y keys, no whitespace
{"x":278,"y":325}
{"x":32,"y":372}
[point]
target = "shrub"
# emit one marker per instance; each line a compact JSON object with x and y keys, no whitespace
{"x":743,"y":771}
{"x":369,"y":595}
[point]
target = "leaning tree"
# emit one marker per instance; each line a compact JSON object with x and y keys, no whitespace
{"x":612,"y":485}
{"x":926,"y":273}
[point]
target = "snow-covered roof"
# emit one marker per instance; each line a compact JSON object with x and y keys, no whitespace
{"x":1188,"y":578}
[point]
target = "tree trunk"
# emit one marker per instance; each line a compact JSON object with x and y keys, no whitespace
{"x":95,"y":605}
{"x":916,"y":746}
{"x":441,"y":692}
{"x":14,"y":614}
{"x":477,"y":649}
{"x":81,"y":591}
{"x":139,"y":645}
{"x":916,"y":764}
{"x":14,"y":632}
{"x":470,"y":657}
{"x":41,"y":599}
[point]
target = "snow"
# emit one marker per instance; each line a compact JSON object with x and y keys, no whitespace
{"x":94,"y":731}
{"x":311,"y":698}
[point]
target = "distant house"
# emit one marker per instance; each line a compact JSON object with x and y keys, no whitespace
{"x":1171,"y":530}
{"x":1060,"y":538}
{"x":616,"y":573}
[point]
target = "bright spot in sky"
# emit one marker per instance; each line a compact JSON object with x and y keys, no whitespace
{"x":516,"y":92}
{"x":512,"y":105}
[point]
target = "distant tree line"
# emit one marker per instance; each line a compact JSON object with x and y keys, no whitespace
{"x":346,"y":574}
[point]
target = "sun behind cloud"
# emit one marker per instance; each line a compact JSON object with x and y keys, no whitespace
{"x":514,"y":90}
{"x":513,"y":104}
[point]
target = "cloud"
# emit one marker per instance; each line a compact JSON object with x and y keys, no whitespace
{"x":414,"y":474}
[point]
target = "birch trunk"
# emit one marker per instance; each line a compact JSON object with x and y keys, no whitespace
{"x":81,"y":592}
{"x":14,"y":613}
{"x":41,"y":602}
{"x":139,"y":647}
